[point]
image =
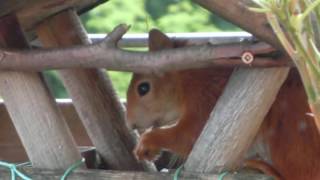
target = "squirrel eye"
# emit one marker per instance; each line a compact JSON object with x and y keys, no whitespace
{"x":143,"y":88}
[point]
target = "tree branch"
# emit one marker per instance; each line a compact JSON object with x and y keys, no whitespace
{"x":105,"y":54}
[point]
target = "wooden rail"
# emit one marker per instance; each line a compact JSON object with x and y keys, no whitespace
{"x":131,"y":175}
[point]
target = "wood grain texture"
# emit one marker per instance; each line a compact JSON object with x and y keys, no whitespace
{"x":32,"y":12}
{"x":8,"y":6}
{"x":93,"y":96}
{"x":105,"y":54}
{"x":236,"y":118}
{"x":38,"y":121}
{"x":127,"y":175}
{"x":247,"y":98}
{"x":11,"y":146}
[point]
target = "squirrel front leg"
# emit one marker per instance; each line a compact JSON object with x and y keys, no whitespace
{"x":178,"y":139}
{"x":151,"y":143}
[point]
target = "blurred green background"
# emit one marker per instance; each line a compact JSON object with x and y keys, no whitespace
{"x":142,"y":15}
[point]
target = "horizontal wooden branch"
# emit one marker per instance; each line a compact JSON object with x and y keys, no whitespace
{"x":129,"y":175}
{"x":105,"y":54}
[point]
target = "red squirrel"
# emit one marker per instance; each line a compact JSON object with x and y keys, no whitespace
{"x":183,"y":100}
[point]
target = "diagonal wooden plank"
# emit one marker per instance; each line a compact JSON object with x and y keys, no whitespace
{"x":247,"y":98}
{"x":39,"y":123}
{"x":236,"y":118}
{"x":93,"y":95}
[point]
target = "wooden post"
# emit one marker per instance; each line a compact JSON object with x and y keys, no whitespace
{"x":236,"y":119}
{"x":246,"y":100}
{"x":38,"y":121}
{"x":92,"y":94}
{"x":11,"y":148}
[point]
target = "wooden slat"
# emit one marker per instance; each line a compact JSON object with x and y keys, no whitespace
{"x":93,"y":95}
{"x":31,"y":12}
{"x":92,"y":159}
{"x":11,"y":146}
{"x":8,"y":6}
{"x":131,"y":175}
{"x":246,"y":100}
{"x":236,"y":119}
{"x":39,"y":123}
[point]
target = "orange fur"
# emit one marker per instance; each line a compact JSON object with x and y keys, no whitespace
{"x":263,"y":167}
{"x":184,"y":100}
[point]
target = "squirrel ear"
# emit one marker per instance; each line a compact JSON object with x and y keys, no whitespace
{"x":158,"y":40}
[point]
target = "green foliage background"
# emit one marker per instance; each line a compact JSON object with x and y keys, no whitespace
{"x":142,"y":15}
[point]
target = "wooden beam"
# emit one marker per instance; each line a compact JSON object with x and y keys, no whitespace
{"x":131,"y":175}
{"x":8,"y":6}
{"x":32,"y":12}
{"x":236,"y":119}
{"x":247,"y":98}
{"x":11,"y":146}
{"x":38,"y":121}
{"x":92,"y":94}
{"x":105,"y":54}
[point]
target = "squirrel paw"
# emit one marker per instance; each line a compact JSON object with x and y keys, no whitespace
{"x":146,"y":148}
